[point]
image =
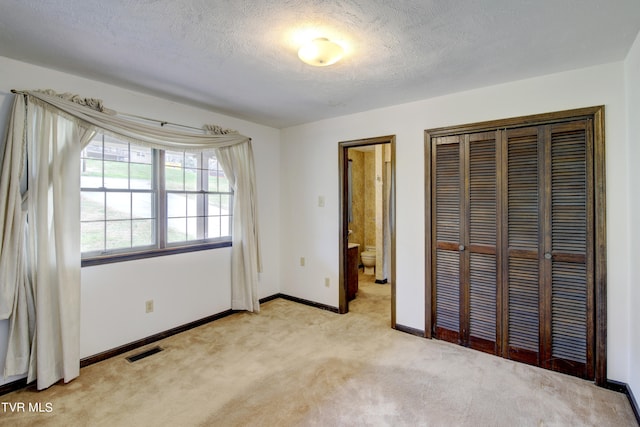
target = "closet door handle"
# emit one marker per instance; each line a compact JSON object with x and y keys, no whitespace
{"x":461,"y":248}
{"x":547,"y":255}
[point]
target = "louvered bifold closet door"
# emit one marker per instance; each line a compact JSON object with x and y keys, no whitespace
{"x":481,"y":242}
{"x":521,"y":300}
{"x":517,"y":251}
{"x":446,"y":275}
{"x":568,"y":264}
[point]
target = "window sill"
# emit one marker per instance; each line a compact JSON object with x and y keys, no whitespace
{"x":131,"y":256}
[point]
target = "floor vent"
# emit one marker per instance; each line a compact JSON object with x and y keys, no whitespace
{"x":144,"y":354}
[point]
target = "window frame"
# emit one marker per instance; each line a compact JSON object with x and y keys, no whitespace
{"x":161,"y":246}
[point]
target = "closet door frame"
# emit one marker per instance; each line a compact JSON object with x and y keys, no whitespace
{"x":599,"y":314}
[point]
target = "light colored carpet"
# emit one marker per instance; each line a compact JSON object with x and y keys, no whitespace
{"x":294,"y":365}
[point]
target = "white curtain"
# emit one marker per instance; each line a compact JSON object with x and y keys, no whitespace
{"x":44,"y":326}
{"x":237,"y":163}
{"x":39,"y":223}
{"x":14,"y":283}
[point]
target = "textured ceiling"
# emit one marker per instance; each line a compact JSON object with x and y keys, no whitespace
{"x":239,"y":57}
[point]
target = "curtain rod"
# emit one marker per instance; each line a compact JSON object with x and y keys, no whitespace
{"x":162,"y":122}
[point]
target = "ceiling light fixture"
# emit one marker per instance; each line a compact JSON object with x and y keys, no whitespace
{"x":320,"y":52}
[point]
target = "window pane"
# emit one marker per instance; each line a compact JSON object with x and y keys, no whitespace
{"x":191,"y":181}
{"x":225,"y":226}
{"x":90,"y":173}
{"x":141,"y":176}
{"x":142,"y":205}
{"x":213,"y":181}
{"x":195,"y":206}
{"x":176,"y":205}
{"x":223,"y":183}
{"x":141,"y":154}
{"x":92,"y":236}
{"x":118,"y":234}
{"x":213,"y":226}
{"x":176,"y":230}
{"x":93,"y":150}
{"x":214,"y":204}
{"x":191,"y":160}
{"x":115,"y":150}
{"x":195,"y":228}
{"x":212,"y":171}
{"x":174,"y":158}
{"x":118,"y":206}
{"x":143,"y":232}
{"x":91,"y":205}
{"x":174,"y":179}
{"x":225,"y":204}
{"x":116,"y":174}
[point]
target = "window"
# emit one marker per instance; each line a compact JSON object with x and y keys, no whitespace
{"x":136,"y":199}
{"x":198,"y":197}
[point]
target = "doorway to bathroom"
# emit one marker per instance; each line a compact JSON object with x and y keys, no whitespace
{"x":367,"y":212}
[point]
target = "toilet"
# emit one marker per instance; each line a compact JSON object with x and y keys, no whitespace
{"x":368,"y":257}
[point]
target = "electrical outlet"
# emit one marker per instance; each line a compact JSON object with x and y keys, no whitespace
{"x":327,"y":282}
{"x":301,"y":261}
{"x":321,"y":201}
{"x":148,"y":305}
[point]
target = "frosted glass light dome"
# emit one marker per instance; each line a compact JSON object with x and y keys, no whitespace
{"x":320,"y":52}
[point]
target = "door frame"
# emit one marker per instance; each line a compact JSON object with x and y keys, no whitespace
{"x":343,"y":158}
{"x":596,"y":114}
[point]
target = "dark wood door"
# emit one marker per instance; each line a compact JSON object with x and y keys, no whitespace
{"x":513,"y":240}
{"x":523,"y":182}
{"x":481,"y":241}
{"x":549,"y":222}
{"x":568,"y":264}
{"x":448,"y":184}
{"x":466,"y":240}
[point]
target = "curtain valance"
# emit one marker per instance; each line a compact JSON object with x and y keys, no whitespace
{"x":134,"y":132}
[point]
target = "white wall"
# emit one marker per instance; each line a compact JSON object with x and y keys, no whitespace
{"x":184,"y":287}
{"x":632,"y":71}
{"x":310,"y":169}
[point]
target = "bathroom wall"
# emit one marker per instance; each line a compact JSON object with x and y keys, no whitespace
{"x":367,"y":228}
{"x":369,"y":198}
{"x":357,"y":197}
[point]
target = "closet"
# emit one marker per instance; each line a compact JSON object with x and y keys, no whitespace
{"x":515,"y":240}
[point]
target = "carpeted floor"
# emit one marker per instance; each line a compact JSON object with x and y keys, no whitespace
{"x":294,"y":365}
